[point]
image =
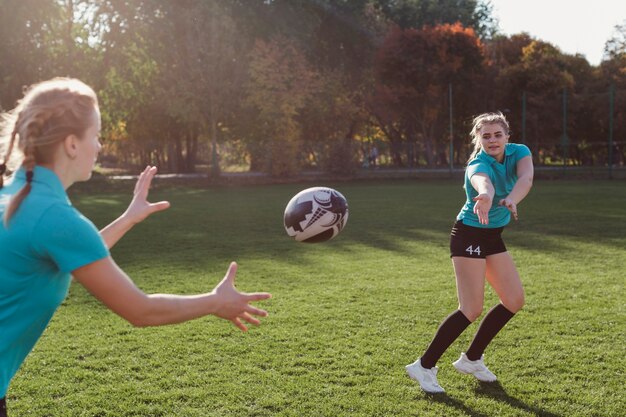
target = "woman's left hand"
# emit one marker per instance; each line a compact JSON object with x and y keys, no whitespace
{"x":509,"y":204}
{"x":140,"y":208}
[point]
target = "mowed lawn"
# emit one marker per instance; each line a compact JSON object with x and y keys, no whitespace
{"x":347,"y":315}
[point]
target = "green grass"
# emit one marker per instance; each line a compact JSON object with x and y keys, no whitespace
{"x":346,"y":315}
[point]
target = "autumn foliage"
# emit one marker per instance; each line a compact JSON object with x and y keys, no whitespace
{"x":414,"y":71}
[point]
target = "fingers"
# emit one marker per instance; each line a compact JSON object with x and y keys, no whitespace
{"x":151,"y":172}
{"x":145,"y":179}
{"x":231,"y":273}
{"x":239,"y":324}
{"x":482,"y":213}
{"x":256,"y":311}
{"x":252,"y":320}
{"x":141,"y":179}
{"x":257,"y":296}
{"x":160,"y":206}
{"x":483,"y":216}
{"x":511,"y":206}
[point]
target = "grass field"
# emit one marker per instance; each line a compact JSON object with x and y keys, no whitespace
{"x":346,"y":315}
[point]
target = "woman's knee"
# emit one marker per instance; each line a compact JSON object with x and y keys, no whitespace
{"x":471,"y":312}
{"x":514,"y":303}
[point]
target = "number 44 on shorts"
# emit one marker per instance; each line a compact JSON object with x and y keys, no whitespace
{"x":473,"y":251}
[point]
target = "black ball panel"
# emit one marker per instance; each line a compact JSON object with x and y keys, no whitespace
{"x":321,"y":237}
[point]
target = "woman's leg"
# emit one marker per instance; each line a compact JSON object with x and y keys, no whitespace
{"x":470,"y":283}
{"x":504,"y":278}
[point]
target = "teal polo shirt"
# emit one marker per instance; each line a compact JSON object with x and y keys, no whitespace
{"x":503,"y":176}
{"x":46,"y":239}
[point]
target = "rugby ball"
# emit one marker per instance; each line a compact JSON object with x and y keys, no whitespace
{"x":316,"y":215}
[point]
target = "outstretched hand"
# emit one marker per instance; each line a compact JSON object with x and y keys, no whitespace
{"x":509,"y":204}
{"x":233,"y":305}
{"x":482,"y":207}
{"x":140,"y":208}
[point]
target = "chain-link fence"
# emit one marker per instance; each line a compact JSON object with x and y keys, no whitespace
{"x":568,"y":132}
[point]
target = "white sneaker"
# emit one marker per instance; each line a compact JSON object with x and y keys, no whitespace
{"x":476,"y":368}
{"x":426,"y":377}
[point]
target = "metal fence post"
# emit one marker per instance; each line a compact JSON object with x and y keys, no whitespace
{"x":451,"y":132}
{"x":523,"y":116}
{"x":611,"y":101}
{"x":564,"y":141}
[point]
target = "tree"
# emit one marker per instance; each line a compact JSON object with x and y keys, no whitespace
{"x":615,"y":47}
{"x":281,"y":81}
{"x":414,"y":70}
{"x":542,"y":73}
{"x":41,"y":40}
{"x":418,"y":13}
{"x":613,"y":76}
{"x":194,"y":90}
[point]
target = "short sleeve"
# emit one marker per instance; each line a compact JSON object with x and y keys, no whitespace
{"x":521,"y":151}
{"x":68,"y":238}
{"x":476,"y":166}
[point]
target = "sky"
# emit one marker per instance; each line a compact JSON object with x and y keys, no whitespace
{"x":574,"y":26}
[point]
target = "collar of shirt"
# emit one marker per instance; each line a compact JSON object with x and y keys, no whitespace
{"x":46,"y":178}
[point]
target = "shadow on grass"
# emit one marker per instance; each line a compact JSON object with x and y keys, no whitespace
{"x":459,"y":405}
{"x":496,"y":391}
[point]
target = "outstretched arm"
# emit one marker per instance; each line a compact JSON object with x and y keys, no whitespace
{"x":107,"y":282}
{"x":525,"y":173}
{"x":483,"y":186}
{"x":138,"y":209}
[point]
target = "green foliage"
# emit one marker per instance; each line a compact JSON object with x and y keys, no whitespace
{"x":281,"y":82}
{"x":183,"y":82}
{"x":346,"y":315}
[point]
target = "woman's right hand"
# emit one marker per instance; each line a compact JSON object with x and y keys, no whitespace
{"x":233,"y":305}
{"x":140,"y":208}
{"x":482,"y":206}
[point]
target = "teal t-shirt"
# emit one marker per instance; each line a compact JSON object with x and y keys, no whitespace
{"x":503,"y":176}
{"x":45,"y":241}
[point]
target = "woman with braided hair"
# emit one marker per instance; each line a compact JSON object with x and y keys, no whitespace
{"x":52,"y":140}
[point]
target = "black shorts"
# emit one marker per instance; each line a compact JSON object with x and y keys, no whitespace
{"x":3,"y":407}
{"x":475,"y":242}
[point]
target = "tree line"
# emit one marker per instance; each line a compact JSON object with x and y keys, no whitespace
{"x":285,"y":85}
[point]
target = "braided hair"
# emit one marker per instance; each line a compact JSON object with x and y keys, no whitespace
{"x":49,"y":112}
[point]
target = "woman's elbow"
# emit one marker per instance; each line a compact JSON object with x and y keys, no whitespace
{"x":136,"y":319}
{"x":528,"y":180}
{"x":141,"y":314}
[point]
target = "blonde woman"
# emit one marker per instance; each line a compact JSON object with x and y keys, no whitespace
{"x":498,"y":176}
{"x":52,"y":139}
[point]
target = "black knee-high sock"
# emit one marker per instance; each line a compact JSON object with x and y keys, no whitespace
{"x":493,"y":322}
{"x":447,"y":333}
